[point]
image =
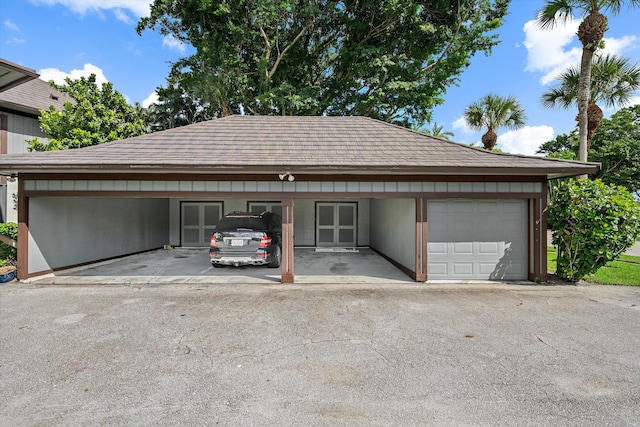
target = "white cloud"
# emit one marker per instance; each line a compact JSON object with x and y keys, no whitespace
{"x":58,"y":76}
{"x":16,"y":41}
{"x":139,"y":8}
{"x":151,"y":99}
{"x":550,"y":51}
{"x":526,"y":140}
{"x":122,"y":16}
{"x":173,"y":44}
{"x":461,"y":124}
{"x":615,"y":46}
{"x":10,"y":25}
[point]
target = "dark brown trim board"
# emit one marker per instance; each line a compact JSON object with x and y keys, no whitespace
{"x":422,"y":226}
{"x":287,"y":241}
{"x":4,"y":141}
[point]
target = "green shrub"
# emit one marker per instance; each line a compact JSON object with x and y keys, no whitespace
{"x":9,"y":229}
{"x":592,"y":224}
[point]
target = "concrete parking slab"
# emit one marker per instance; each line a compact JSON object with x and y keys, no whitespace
{"x":319,"y":355}
{"x":191,"y":265}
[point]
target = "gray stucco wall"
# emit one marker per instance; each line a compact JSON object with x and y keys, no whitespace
{"x":67,"y":231}
{"x":394,"y":233}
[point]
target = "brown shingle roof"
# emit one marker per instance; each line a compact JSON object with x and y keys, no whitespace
{"x":33,"y":96}
{"x":13,"y":74}
{"x":299,"y":144}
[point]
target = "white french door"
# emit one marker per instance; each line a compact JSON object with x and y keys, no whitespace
{"x":336,"y":224}
{"x":259,"y":207}
{"x":198,"y":222}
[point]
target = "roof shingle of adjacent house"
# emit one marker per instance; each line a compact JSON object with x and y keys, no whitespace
{"x":299,"y":144}
{"x":33,"y":96}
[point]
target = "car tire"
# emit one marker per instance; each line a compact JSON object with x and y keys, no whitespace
{"x":217,"y":265}
{"x":276,"y":258}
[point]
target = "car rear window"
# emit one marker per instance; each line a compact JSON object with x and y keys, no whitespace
{"x":231,"y":224}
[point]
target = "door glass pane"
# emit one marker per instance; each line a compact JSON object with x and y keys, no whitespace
{"x":191,"y":214}
{"x":276,"y":209}
{"x":325,"y":236}
{"x":191,"y":235}
{"x":346,"y":215}
{"x":258,"y":208}
{"x":346,"y":236}
{"x":211,"y":215}
{"x":325,"y":215}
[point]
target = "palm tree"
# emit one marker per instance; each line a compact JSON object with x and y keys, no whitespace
{"x":614,"y":80}
{"x":438,"y":130}
{"x":590,"y":33}
{"x":492,"y":112}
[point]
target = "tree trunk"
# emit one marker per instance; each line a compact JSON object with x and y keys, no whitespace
{"x":594,"y":118}
{"x":583,"y":103}
{"x":489,"y":140}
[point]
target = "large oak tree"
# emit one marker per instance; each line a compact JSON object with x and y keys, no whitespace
{"x":388,"y":59}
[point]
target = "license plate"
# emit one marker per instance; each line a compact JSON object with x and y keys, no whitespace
{"x":237,"y":242}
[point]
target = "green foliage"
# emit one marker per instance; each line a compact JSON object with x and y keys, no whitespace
{"x":435,"y":130}
{"x":592,"y":223}
{"x":390,"y":59}
{"x":98,"y":115}
{"x":494,"y":149}
{"x":615,"y":145}
{"x":9,"y":229}
{"x":625,"y":270}
{"x":564,"y":146}
{"x":177,"y":107}
{"x":614,"y":80}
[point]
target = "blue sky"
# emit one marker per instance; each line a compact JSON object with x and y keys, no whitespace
{"x":60,"y":38}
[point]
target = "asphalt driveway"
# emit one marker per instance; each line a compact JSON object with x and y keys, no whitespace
{"x":319,"y":355}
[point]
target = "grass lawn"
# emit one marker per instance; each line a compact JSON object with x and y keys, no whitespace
{"x":623,"y":271}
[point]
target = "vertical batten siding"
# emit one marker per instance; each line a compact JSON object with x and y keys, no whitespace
{"x":328,"y":187}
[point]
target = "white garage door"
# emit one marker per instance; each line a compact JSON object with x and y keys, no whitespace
{"x":477,"y":239}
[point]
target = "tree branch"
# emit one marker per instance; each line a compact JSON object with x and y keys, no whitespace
{"x":281,"y":54}
{"x":268,"y":52}
{"x":448,"y":48}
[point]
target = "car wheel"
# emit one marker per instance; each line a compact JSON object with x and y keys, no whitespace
{"x":276,"y":258}
{"x":217,"y":265}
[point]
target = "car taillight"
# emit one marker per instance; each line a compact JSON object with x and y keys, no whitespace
{"x":213,"y":241}
{"x":265,"y":242}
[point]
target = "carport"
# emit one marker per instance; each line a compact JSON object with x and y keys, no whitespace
{"x":433,"y":208}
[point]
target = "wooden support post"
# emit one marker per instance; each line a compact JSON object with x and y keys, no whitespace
{"x":287,"y":241}
{"x":422,"y":264}
{"x":23,"y":232}
{"x":543,"y":233}
{"x":539,"y":273}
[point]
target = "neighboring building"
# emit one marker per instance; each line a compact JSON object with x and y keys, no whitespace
{"x":22,"y":96}
{"x":436,"y":209}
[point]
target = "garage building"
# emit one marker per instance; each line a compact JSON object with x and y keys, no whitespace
{"x":437,"y":209}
